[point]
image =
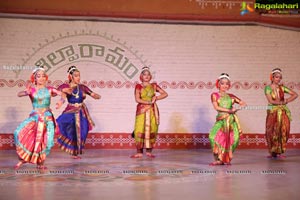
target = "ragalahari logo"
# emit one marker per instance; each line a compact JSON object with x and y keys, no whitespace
{"x":246,"y":8}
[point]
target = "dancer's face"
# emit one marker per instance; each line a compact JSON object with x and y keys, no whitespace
{"x":40,"y":77}
{"x":277,"y":78}
{"x":224,"y":85}
{"x":146,"y":76}
{"x":76,"y":77}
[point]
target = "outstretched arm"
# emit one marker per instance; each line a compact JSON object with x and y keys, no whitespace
{"x":25,"y":92}
{"x":89,"y":92}
{"x":95,"y":95}
{"x":61,"y":101}
{"x":62,"y":97}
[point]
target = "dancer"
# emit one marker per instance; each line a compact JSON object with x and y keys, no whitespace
{"x":224,"y":135}
{"x":75,"y":121}
{"x":147,"y":116}
{"x":278,"y":115}
{"x":34,"y":137}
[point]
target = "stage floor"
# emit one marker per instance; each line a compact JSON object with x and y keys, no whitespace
{"x":173,"y":174}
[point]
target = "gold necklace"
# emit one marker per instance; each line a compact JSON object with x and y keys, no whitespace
{"x":77,"y":93}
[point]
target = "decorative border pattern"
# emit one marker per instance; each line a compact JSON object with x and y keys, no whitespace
{"x":164,"y":84}
{"x":164,"y":141}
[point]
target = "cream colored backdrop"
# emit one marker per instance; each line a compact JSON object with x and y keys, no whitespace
{"x":185,"y":60}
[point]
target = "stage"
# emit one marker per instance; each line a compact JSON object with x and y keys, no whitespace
{"x":173,"y":174}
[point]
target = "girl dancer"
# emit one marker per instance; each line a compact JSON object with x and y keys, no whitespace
{"x":224,"y":135}
{"x":147,"y":116}
{"x":75,"y":121}
{"x":35,"y":135}
{"x":278,"y":116}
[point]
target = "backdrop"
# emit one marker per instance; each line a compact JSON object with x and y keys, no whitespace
{"x":185,"y":60}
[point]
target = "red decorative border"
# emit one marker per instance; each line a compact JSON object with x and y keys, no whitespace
{"x":164,"y":84}
{"x":164,"y":141}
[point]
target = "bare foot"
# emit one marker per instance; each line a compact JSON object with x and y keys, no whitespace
{"x":281,"y":156}
{"x":150,"y":155}
{"x":76,"y":157}
{"x":19,"y":164}
{"x":218,"y":162}
{"x":138,"y":155}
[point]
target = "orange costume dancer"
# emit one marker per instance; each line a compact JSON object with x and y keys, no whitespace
{"x":278,"y":115}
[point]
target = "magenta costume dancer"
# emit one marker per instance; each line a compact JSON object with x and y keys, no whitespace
{"x":75,"y":121}
{"x":34,"y":137}
{"x":224,"y":135}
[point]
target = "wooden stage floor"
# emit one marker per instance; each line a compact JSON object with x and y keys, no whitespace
{"x":173,"y":174}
